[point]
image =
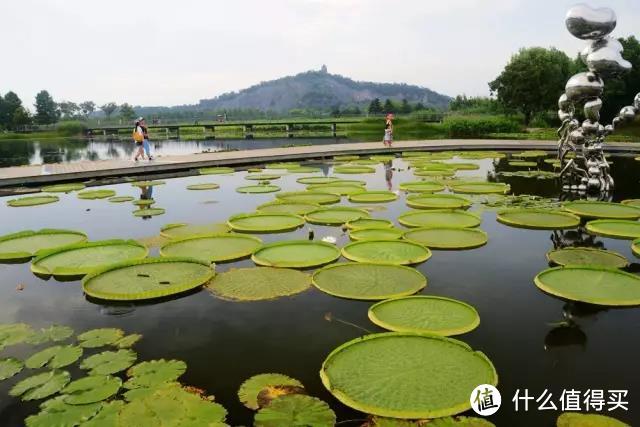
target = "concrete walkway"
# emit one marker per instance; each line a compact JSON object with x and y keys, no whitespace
{"x":60,"y":172}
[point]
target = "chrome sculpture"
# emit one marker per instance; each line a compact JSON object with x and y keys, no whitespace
{"x":588,"y":170}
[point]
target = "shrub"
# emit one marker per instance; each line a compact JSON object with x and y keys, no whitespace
{"x":71,"y":127}
{"x":479,"y":126}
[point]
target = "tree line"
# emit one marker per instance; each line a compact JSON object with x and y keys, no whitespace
{"x":389,"y":106}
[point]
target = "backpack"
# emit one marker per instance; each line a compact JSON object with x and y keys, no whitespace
{"x":137,"y":137}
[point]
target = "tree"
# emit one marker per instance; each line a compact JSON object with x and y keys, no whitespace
{"x":109,"y":108}
{"x":46,"y":109}
{"x":375,"y":107}
{"x":68,"y":109}
{"x":405,"y":108}
{"x":127,"y":112}
{"x":418,"y":107}
{"x":533,"y":81}
{"x":335,"y":111}
{"x":21,"y":117}
{"x":388,"y":107}
{"x":87,"y":108}
{"x":9,"y":104}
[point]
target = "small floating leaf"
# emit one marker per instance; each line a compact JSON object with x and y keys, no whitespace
{"x":41,"y":385}
{"x":109,"y":362}
{"x":32,"y":201}
{"x":575,"y":419}
{"x":63,"y":188}
{"x":149,"y":212}
{"x":55,"y":412}
{"x":296,"y":410}
{"x":121,"y":199}
{"x":216,"y":171}
{"x":386,"y":252}
{"x":96,"y":194}
{"x":128,"y":341}
{"x":205,"y":186}
{"x":144,"y":202}
{"x":587,"y":256}
{"x":9,"y":366}
{"x":91,"y":389}
{"x":255,"y":189}
{"x":263,"y":177}
{"x":14,"y":333}
{"x":100,"y":337}
{"x":261,"y":283}
{"x":107,"y":416}
{"x":249,"y":390}
{"x":52,"y":333}
{"x":147,"y":183}
{"x":296,"y":254}
{"x":311,"y":180}
{"x":154,"y":372}
{"x":54,"y":357}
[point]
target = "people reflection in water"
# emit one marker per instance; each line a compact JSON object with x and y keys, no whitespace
{"x":568,"y":332}
{"x":388,"y":174}
{"x":146,"y":194}
{"x":575,"y":238}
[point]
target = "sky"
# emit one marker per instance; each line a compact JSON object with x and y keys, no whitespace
{"x":158,"y":52}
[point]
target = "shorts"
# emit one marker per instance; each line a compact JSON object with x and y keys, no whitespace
{"x":388,"y":137}
{"x":138,"y":143}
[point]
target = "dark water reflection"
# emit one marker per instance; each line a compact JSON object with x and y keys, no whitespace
{"x":536,"y":342}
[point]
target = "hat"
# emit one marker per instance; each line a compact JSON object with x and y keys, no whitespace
{"x":140,"y":119}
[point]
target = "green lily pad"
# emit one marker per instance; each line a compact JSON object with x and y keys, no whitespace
{"x":425,"y":314}
{"x":203,"y":186}
{"x":438,"y":422}
{"x":181,"y":230}
{"x":464,"y":166}
{"x":366,"y":281}
{"x":107,"y":415}
{"x":10,"y":366}
{"x":520,"y":163}
{"x":425,"y":376}
{"x":373,"y":197}
{"x":55,"y":412}
{"x":216,"y":171}
{"x":591,"y":284}
{"x":615,"y":228}
{"x":481,"y":155}
{"x":128,"y":341}
{"x":32,"y":201}
{"x":109,"y":362}
{"x":346,"y":158}
{"x":147,"y":279}
{"x":121,"y":199}
{"x":212,"y":247}
{"x":14,"y":333}
{"x":337,"y":215}
{"x":480,"y":188}
{"x":439,"y":218}
{"x":362,"y":223}
{"x":91,"y":389}
{"x":382,"y":157}
{"x":296,"y":254}
{"x":386,"y":252}
{"x":603,"y":210}
{"x":282,"y":165}
{"x":337,"y":189}
{"x":259,"y":283}
{"x":52,"y":333}
{"x":448,"y":237}
{"x":96,"y":194}
{"x":265,"y":222}
{"x":24,"y":244}
{"x":575,"y":419}
{"x":256,"y":189}
{"x":538,"y":219}
{"x":144,"y":202}
{"x":287,"y":207}
{"x":316,"y":197}
{"x":303,"y":169}
{"x":63,"y":188}
{"x":434,"y":172}
{"x":376,"y":234}
{"x":149,"y":212}
{"x":437,"y":201}
{"x":295,"y":410}
{"x":421,"y":187}
{"x":41,"y":385}
{"x":587,"y":256}
{"x":54,"y":357}
{"x":353,"y":169}
{"x":530,"y":154}
{"x":83,"y":258}
{"x":100,"y":337}
{"x":311,"y":180}
{"x":263,"y":177}
{"x":251,"y":388}
{"x":147,"y":183}
{"x":631,"y":202}
{"x":350,"y":182}
{"x":154,"y":372}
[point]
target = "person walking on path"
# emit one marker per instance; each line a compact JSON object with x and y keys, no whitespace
{"x":388,"y":131}
{"x":138,"y":138}
{"x":145,"y":141}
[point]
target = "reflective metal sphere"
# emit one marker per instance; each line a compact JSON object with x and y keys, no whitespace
{"x":605,"y":57}
{"x":592,"y":109}
{"x":628,"y":112}
{"x":593,"y":184}
{"x":636,"y":102}
{"x":583,"y":86}
{"x":577,"y":137}
{"x":590,"y":127}
{"x":587,"y":23}
{"x":564,"y":104}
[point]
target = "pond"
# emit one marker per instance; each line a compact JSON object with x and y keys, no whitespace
{"x":67,"y":150}
{"x":225,"y":342}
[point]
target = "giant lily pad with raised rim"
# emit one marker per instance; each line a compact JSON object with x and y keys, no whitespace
{"x":298,"y":208}
{"x":615,"y":228}
{"x":448,"y":237}
{"x":373,"y":197}
{"x":154,"y":372}
{"x":295,"y":410}
{"x":376,"y":234}
{"x":353,"y":169}
{"x":480,"y":188}
{"x":424,"y":376}
{"x":523,"y":164}
{"x":602,"y":210}
{"x":259,"y":283}
{"x":421,"y":187}
{"x":313,"y":180}
{"x":10,"y":366}
{"x":203,"y":186}
{"x":587,"y":256}
{"x":41,"y":385}
{"x":296,"y":254}
{"x":337,"y":215}
{"x":337,"y":189}
{"x":216,"y":171}
{"x":96,"y":194}
{"x":109,"y":362}
{"x":258,"y":189}
{"x":538,"y":219}
{"x":212,"y":247}
{"x":591,"y":284}
{"x":437,"y":201}
{"x":439,"y":218}
{"x":576,"y":419}
{"x":25,"y":244}
{"x":368,"y":281}
{"x":362,"y":223}
{"x":635,"y":248}
{"x":121,"y":199}
{"x":251,"y":388}
{"x":316,"y":197}
{"x":265,"y":222}
{"x":32,"y":201}
{"x":54,"y":357}
{"x":182,"y":230}
{"x":83,"y":258}
{"x":91,"y":389}
{"x":63,"y":188}
{"x":476,"y":155}
{"x":631,"y":202}
{"x":395,"y":252}
{"x":147,"y":279}
{"x":425,"y":314}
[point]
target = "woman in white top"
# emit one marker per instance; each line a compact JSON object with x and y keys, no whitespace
{"x":138,"y":138}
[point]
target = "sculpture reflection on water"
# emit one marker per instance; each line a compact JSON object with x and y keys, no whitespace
{"x":587,"y":169}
